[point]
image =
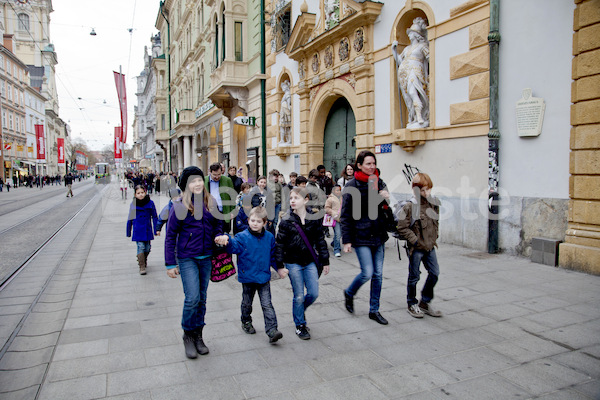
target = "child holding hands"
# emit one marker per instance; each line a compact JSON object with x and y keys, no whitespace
{"x":255,"y":248}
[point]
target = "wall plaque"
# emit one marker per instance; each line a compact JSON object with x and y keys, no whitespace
{"x":530,"y":114}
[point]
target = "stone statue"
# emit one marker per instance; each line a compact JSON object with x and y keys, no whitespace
{"x":285,"y":115}
{"x":413,"y":74}
{"x":331,"y":13}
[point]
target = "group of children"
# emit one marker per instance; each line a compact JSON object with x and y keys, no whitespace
{"x":298,"y":250}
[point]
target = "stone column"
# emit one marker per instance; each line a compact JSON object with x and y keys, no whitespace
{"x":187,"y":151}
{"x":581,"y":250}
{"x":180,"y":164}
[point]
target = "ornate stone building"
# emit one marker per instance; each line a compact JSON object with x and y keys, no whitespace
{"x":581,"y":249}
{"x":29,"y":22}
{"x":211,"y":77}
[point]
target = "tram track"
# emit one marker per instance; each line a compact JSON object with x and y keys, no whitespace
{"x":24,"y":240}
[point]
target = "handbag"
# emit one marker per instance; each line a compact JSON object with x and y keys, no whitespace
{"x":222,"y":266}
{"x":328,"y":220}
{"x":310,"y":248}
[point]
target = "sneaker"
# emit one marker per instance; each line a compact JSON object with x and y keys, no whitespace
{"x":338,"y":254}
{"x":415,"y":311}
{"x":248,"y":328}
{"x":274,"y":336}
{"x":302,"y":332}
{"x":427,"y":309}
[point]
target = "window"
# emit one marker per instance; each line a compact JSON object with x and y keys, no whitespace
{"x":238,"y":42}
{"x":23,"y":22}
{"x":4,"y":118}
{"x":17,"y":125}
{"x":216,"y":43}
{"x":283,"y":27}
{"x":10,"y":121}
{"x":162,"y":122}
{"x":8,"y":67}
{"x":9,"y":91}
{"x":3,"y":89}
{"x":223,"y":34}
{"x":2,"y":63}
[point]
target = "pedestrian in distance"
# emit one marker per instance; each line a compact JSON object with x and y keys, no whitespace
{"x":221,"y":189}
{"x":240,"y":222}
{"x":364,"y":229}
{"x":255,"y":248}
{"x":346,"y":175}
{"x":189,"y":242}
{"x":300,"y":245}
{"x":69,"y":184}
{"x":123,"y":184}
{"x":419,"y":224}
{"x":275,"y":188}
{"x":142,"y":221}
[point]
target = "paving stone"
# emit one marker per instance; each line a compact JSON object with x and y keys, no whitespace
{"x":348,"y":364}
{"x":226,"y":365}
{"x":143,"y":395}
{"x":13,"y":380}
{"x":81,"y":349}
{"x":581,"y":362}
{"x":27,"y":343}
{"x":31,"y":329}
{"x":15,"y":360}
{"x":95,"y":365}
{"x":543,"y":376}
{"x":27,"y":393}
{"x":527,"y":348}
{"x":99,"y":332}
{"x":355,"y":388}
{"x":273,"y":380}
{"x":91,"y":387}
{"x":224,"y":388}
{"x":576,"y":336}
{"x":86,"y":322}
{"x":590,"y":389}
{"x":149,"y":378}
{"x":472,"y":363}
{"x":488,"y":387}
{"x":410,"y":379}
{"x":50,"y":307}
{"x":47,"y":317}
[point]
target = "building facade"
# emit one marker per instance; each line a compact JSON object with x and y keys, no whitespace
{"x":445,"y":87}
{"x":35,"y":115}
{"x":212,"y":76}
{"x":146,"y":148}
{"x":13,"y":82}
{"x":29,"y":23}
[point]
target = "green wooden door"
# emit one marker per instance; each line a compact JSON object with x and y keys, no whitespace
{"x":340,"y":130}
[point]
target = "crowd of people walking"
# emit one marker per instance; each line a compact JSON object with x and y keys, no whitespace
{"x":282,"y":226}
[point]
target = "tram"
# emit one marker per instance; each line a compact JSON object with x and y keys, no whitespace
{"x":102,"y":173}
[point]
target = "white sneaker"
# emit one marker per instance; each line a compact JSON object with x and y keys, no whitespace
{"x":338,"y":254}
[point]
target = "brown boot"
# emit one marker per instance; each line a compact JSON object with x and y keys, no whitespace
{"x":142,"y":263}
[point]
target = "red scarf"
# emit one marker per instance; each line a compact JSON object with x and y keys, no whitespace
{"x":372,"y":180}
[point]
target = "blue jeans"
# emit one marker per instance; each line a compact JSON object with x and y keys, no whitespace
{"x":195,"y":275}
{"x":430,"y":262}
{"x":143,"y":247}
{"x":300,"y":277}
{"x":264,"y":295}
{"x":337,"y":235}
{"x":371,"y":267}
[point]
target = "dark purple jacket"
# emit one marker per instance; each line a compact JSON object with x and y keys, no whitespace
{"x":190,"y":237}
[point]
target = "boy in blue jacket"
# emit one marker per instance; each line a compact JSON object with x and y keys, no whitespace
{"x":255,"y":248}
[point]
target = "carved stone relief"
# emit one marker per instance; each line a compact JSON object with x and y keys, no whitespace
{"x":359,"y":40}
{"x":316,"y":63}
{"x":344,"y":49}
{"x":328,"y":57}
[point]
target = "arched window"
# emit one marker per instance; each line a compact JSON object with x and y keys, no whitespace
{"x":216,"y":42}
{"x":201,"y":95}
{"x":23,"y":22}
{"x":223,"y":34}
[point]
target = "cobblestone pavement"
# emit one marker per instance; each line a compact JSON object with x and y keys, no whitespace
{"x":511,"y":329}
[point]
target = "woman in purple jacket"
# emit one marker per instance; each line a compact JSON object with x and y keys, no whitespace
{"x":190,"y":235}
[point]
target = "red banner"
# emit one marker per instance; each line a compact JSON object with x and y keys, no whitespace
{"x":40,"y":142}
{"x":122,"y":94}
{"x":61,"y":150}
{"x":118,"y":142}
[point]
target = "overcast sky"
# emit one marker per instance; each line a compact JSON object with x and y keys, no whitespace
{"x":84,"y":74}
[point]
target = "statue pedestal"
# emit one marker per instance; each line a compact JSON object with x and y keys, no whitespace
{"x":409,"y":139}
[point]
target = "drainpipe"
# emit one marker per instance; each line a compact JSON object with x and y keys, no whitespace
{"x":263,"y":95}
{"x":494,"y":132}
{"x":162,"y":4}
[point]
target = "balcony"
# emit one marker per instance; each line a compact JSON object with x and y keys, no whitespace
{"x":228,"y":81}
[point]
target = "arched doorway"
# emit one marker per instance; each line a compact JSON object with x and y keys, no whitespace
{"x":339,"y":137}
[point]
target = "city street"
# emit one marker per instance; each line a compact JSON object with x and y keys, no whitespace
{"x":79,"y":322}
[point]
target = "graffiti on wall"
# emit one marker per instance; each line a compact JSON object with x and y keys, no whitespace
{"x":409,"y":172}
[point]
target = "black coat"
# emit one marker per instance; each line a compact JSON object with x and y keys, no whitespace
{"x":291,"y":249}
{"x":363,"y":231}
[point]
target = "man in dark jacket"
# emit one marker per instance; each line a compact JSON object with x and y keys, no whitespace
{"x":69,"y":184}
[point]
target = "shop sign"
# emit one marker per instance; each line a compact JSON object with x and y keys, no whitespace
{"x":204,"y":108}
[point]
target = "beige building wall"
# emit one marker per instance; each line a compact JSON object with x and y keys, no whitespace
{"x":581,"y":249}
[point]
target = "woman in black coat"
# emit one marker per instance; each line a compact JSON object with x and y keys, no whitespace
{"x":367,"y":233}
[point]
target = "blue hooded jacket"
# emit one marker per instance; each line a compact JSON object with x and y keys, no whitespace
{"x":142,"y":219}
{"x":256,"y":254}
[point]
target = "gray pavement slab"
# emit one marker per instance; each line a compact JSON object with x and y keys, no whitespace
{"x":510,"y":329}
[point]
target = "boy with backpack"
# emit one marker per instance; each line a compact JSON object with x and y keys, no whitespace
{"x":418,"y":224}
